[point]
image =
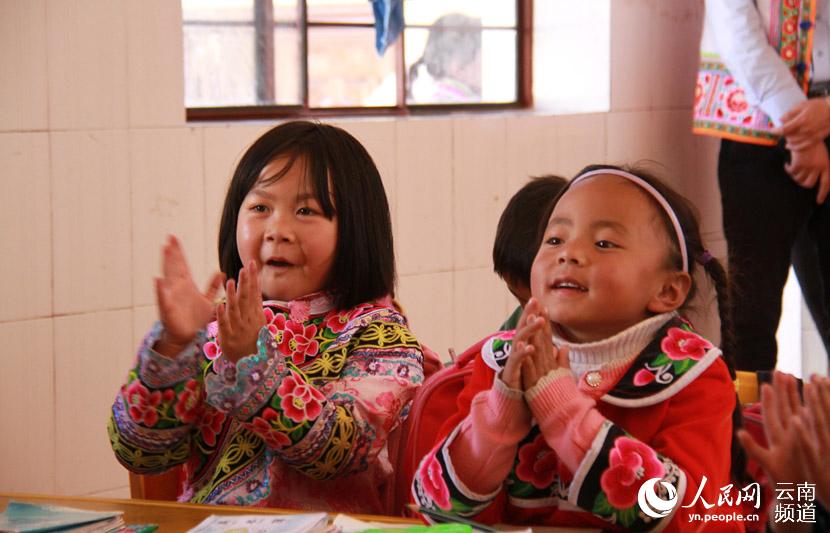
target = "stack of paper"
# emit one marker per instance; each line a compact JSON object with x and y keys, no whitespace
{"x":259,"y":523}
{"x":30,"y":518}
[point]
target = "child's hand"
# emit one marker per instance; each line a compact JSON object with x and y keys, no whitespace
{"x":782,"y":411}
{"x":183,"y":309}
{"x":242,"y":318}
{"x":512,"y":373}
{"x":815,"y":436}
{"x":541,"y":356}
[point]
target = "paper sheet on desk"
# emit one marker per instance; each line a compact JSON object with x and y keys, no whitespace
{"x":346,"y":524}
{"x":32,"y":518}
{"x":259,"y":523}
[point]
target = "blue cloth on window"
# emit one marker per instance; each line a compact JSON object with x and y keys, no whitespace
{"x":388,"y":22}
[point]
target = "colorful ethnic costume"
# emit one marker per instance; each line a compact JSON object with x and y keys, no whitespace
{"x":760,"y":59}
{"x":654,"y":401}
{"x":303,"y":423}
{"x":739,"y":103}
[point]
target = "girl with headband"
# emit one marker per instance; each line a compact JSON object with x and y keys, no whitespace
{"x":605,"y":407}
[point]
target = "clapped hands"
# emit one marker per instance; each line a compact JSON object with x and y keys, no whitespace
{"x":183,"y":308}
{"x":241,"y":317}
{"x":533,"y":355}
{"x":797,"y":434}
{"x":782,"y":413}
{"x":814,"y":436}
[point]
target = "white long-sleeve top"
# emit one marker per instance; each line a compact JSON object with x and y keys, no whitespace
{"x":735,"y":29}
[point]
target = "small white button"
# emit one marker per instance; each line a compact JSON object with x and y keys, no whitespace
{"x":593,"y":379}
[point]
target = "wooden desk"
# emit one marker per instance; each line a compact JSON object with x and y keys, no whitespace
{"x":170,"y":516}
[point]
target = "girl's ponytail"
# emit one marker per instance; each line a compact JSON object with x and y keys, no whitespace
{"x":717,"y":273}
{"x":720,"y":281}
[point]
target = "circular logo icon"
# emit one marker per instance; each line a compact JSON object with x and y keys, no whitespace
{"x":652,"y":504}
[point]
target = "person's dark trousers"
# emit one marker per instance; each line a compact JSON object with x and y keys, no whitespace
{"x":807,"y":270}
{"x":763,"y":212}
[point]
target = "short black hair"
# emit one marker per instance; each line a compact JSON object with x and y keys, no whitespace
{"x":364,"y":263}
{"x":517,"y":236}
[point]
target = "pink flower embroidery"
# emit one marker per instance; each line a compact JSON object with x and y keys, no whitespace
{"x":298,"y":341}
{"x":681,"y":344}
{"x":299,"y":400}
{"x":336,"y":322}
{"x":643,"y":377}
{"x":432,"y":479}
{"x":276,"y":326}
{"x":188,"y":408}
{"x":143,"y":403}
{"x":537,"y":463}
{"x":386,"y":400}
{"x":736,"y":101}
{"x":210,"y":424}
{"x":630,"y":463}
{"x":262,"y":427}
{"x":212,"y":350}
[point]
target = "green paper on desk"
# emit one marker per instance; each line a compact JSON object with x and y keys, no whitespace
{"x":22,"y":517}
{"x":438,"y":528}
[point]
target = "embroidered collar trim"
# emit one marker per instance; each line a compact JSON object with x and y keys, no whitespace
{"x":317,"y":303}
{"x":672,"y":360}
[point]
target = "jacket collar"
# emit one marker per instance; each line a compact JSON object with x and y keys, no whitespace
{"x":674,"y":358}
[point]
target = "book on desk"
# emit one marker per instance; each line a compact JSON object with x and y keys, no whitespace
{"x":22,"y":517}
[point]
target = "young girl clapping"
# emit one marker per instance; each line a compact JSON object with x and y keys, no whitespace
{"x":605,"y":386}
{"x":286,"y":402}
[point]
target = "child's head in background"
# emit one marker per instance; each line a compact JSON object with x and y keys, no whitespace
{"x":517,"y":236}
{"x":618,"y":247}
{"x":307,"y":205}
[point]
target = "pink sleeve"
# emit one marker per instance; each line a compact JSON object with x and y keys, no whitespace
{"x":483,"y":451}
{"x":567,"y":417}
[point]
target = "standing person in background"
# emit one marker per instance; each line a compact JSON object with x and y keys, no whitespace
{"x":808,"y":270}
{"x":449,"y":70}
{"x":763,"y":88}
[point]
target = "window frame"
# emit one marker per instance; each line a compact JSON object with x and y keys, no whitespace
{"x":263,"y":22}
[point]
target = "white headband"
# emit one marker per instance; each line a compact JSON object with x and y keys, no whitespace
{"x":643,"y":184}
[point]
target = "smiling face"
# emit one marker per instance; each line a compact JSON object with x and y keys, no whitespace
{"x":603,"y":263}
{"x":282,"y":228}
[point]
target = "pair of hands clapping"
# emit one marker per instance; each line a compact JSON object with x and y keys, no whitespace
{"x":533,"y":354}
{"x":798,"y":434}
{"x":184,"y":310}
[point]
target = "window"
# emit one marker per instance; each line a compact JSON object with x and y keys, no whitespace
{"x":272,"y":58}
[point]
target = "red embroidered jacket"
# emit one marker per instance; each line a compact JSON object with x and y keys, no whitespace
{"x":673,"y":424}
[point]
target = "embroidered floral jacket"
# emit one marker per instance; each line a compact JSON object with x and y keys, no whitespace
{"x":303,"y":423}
{"x":664,"y":413}
{"x":727,"y":102}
